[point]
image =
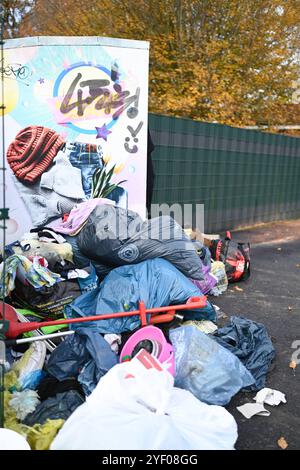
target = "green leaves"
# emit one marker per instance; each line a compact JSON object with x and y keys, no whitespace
{"x":101,"y":185}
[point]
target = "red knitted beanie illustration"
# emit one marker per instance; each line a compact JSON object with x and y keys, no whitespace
{"x":32,"y":152}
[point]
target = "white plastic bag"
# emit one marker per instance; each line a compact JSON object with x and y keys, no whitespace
{"x":133,"y":407}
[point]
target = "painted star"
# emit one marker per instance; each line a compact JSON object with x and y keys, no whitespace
{"x":102,"y":132}
{"x":41,"y":80}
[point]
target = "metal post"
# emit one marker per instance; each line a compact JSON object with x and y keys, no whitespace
{"x":3,"y":217}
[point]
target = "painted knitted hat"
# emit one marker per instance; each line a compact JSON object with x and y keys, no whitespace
{"x":32,"y":152}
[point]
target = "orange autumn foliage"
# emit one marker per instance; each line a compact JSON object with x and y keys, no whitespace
{"x":230,"y":61}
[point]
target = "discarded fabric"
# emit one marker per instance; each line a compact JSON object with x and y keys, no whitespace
{"x":78,"y":216}
{"x":30,"y":272}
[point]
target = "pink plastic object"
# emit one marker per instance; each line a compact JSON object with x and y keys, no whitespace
{"x":166,"y":352}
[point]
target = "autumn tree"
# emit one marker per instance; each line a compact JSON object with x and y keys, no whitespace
{"x":13,"y":12}
{"x":230,"y":61}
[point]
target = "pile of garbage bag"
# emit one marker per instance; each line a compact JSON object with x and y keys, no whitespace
{"x":117,"y":319}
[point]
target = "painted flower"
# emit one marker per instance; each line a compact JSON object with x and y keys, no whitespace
{"x":119,"y":168}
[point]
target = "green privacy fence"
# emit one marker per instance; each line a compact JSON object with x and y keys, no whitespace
{"x":242,"y":177}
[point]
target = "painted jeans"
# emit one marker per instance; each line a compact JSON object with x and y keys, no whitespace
{"x":86,"y":157}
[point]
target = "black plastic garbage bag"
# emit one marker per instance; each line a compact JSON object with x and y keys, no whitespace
{"x":82,"y":261}
{"x":114,"y":237}
{"x":250,"y":342}
{"x":59,"y":407}
{"x":85,"y":356}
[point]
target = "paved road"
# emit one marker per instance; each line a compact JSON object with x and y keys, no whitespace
{"x":271,"y":296}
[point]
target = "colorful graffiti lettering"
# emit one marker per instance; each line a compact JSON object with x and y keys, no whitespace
{"x":15,"y":71}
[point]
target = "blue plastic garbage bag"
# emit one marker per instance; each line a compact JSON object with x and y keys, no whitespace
{"x":85,"y":356}
{"x":209,"y":371}
{"x":157,"y":282}
{"x":250,"y":342}
{"x":90,"y":282}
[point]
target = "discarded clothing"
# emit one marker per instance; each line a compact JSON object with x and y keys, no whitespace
{"x":53,"y":252}
{"x":157,"y":282}
{"x":50,"y":386}
{"x":212,"y":374}
{"x":78,"y":216}
{"x":62,"y":268}
{"x":29,"y":272}
{"x":59,"y":407}
{"x":85,"y":356}
{"x":116,"y":237}
{"x":145,"y":411}
{"x":250,"y":342}
{"x":47,"y":235}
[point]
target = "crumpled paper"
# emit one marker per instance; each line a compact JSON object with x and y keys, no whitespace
{"x":270,"y":397}
{"x":266,"y":396}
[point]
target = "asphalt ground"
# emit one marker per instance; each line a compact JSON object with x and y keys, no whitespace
{"x":271,"y":296}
